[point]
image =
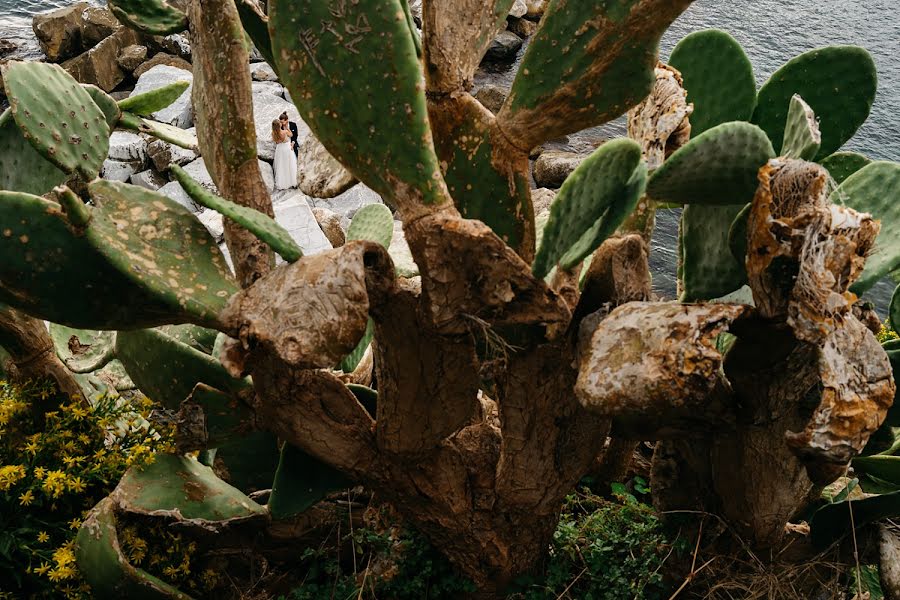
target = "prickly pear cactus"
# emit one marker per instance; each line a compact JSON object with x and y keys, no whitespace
{"x":374,"y":223}
{"x":300,"y":482}
{"x":149,"y":102}
{"x":262,"y":226}
{"x":842,"y":165}
{"x":709,"y":270}
{"x":718,"y":77}
{"x":22,"y":168}
{"x":802,"y":138}
{"x":838,"y":83}
{"x":156,"y":17}
{"x":106,"y":103}
{"x":57,"y":116}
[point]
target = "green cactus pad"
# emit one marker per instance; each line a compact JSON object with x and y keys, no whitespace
{"x":149,"y":102}
{"x":44,"y":260}
{"x":326,"y":55}
{"x":874,"y":189}
{"x":487,"y":178}
{"x":250,"y":462}
{"x":106,"y":103}
{"x":104,"y":566}
{"x":718,"y":78}
{"x":607,"y":225}
{"x":199,"y":338}
{"x":83,"y":350}
{"x":894,"y":312}
{"x":885,"y":468}
{"x":156,"y":17}
{"x":373,"y":223}
{"x":842,"y":165}
{"x":227,"y":418}
{"x":802,"y":138}
{"x":709,"y":270}
{"x":300,"y":482}
{"x":165,"y":132}
{"x":833,"y":521}
{"x":737,"y":235}
{"x":22,"y":168}
{"x":57,"y":116}
{"x":352,"y":360}
{"x":588,"y":63}
{"x":262,"y":226}
{"x":162,"y":247}
{"x":717,"y":167}
{"x":167,"y":371}
{"x":366,"y":396}
{"x":838,"y":82}
{"x":599,"y":183}
{"x":256,"y":24}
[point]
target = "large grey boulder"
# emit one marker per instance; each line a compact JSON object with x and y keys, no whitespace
{"x":181,"y":112}
{"x":350,"y":201}
{"x":97,"y":24}
{"x":266,"y":108}
{"x":400,"y":253}
{"x":125,"y":145}
{"x":553,"y":167}
{"x":163,"y":58}
{"x":162,"y":154}
{"x":131,"y":57}
{"x":119,"y":170}
{"x":519,"y":9}
{"x":174,"y":191}
{"x":492,"y":97}
{"x":503,"y":48}
{"x":214,"y":223}
{"x":262,"y":72}
{"x":148,"y":179}
{"x":330,"y":223}
{"x":292,"y":211}
{"x":59,"y":31}
{"x":271,"y":87}
{"x":319,"y":174}
{"x":198,"y":171}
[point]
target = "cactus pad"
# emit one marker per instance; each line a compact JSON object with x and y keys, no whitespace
{"x":22,"y":168}
{"x":874,"y":189}
{"x":106,"y":103}
{"x":164,"y":131}
{"x":167,"y":370}
{"x":161,"y":247}
{"x":580,"y":71}
{"x":262,"y":226}
{"x":325,"y":55}
{"x":895,"y":309}
{"x":83,"y":350}
{"x":250,"y":461}
{"x":256,"y":24}
{"x":156,"y":17}
{"x":600,"y":182}
{"x":373,"y":223}
{"x":802,"y":138}
{"x":838,"y":82}
{"x":149,"y":102}
{"x":196,"y":337}
{"x":45,"y":260}
{"x":709,"y":270}
{"x":352,"y":360}
{"x":300,"y":481}
{"x":718,"y":78}
{"x":842,"y":165}
{"x":717,"y":167}
{"x":57,"y":116}
{"x":737,"y":235}
{"x":226,"y":417}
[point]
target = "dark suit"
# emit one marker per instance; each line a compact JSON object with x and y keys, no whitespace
{"x":295,"y":136}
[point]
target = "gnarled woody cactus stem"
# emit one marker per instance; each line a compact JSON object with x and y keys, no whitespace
{"x":223,"y":99}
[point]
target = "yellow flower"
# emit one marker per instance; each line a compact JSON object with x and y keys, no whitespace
{"x":31,"y":447}
{"x":42,"y":569}
{"x":39,"y":473}
{"x":26,"y":498}
{"x":42,"y":538}
{"x":74,"y":523}
{"x":10,"y":475}
{"x":55,"y":484}
{"x":76,"y":485}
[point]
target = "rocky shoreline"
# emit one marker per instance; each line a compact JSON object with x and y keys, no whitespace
{"x":90,"y":43}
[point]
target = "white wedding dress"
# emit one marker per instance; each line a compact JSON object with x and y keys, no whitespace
{"x":285,"y":166}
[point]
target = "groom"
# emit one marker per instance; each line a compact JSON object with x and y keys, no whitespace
{"x":294,"y":132}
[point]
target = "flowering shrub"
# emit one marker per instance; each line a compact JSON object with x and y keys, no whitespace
{"x":53,"y":469}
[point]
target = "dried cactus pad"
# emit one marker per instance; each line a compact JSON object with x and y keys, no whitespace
{"x":104,"y":566}
{"x":838,"y":82}
{"x":44,"y":260}
{"x":874,"y":189}
{"x":149,"y":102}
{"x":162,"y":248}
{"x":718,"y":77}
{"x":842,"y":165}
{"x":262,"y":226}
{"x":587,"y":64}
{"x":156,"y":17}
{"x":22,"y":168}
{"x":353,"y":72}
{"x":373,"y":223}
{"x":598,"y":183}
{"x":717,"y":167}
{"x":802,"y":138}
{"x":57,"y":116}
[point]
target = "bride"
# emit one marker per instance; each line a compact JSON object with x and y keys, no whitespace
{"x":285,"y":162}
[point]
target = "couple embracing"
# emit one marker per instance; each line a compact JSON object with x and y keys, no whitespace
{"x":284,"y":134}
